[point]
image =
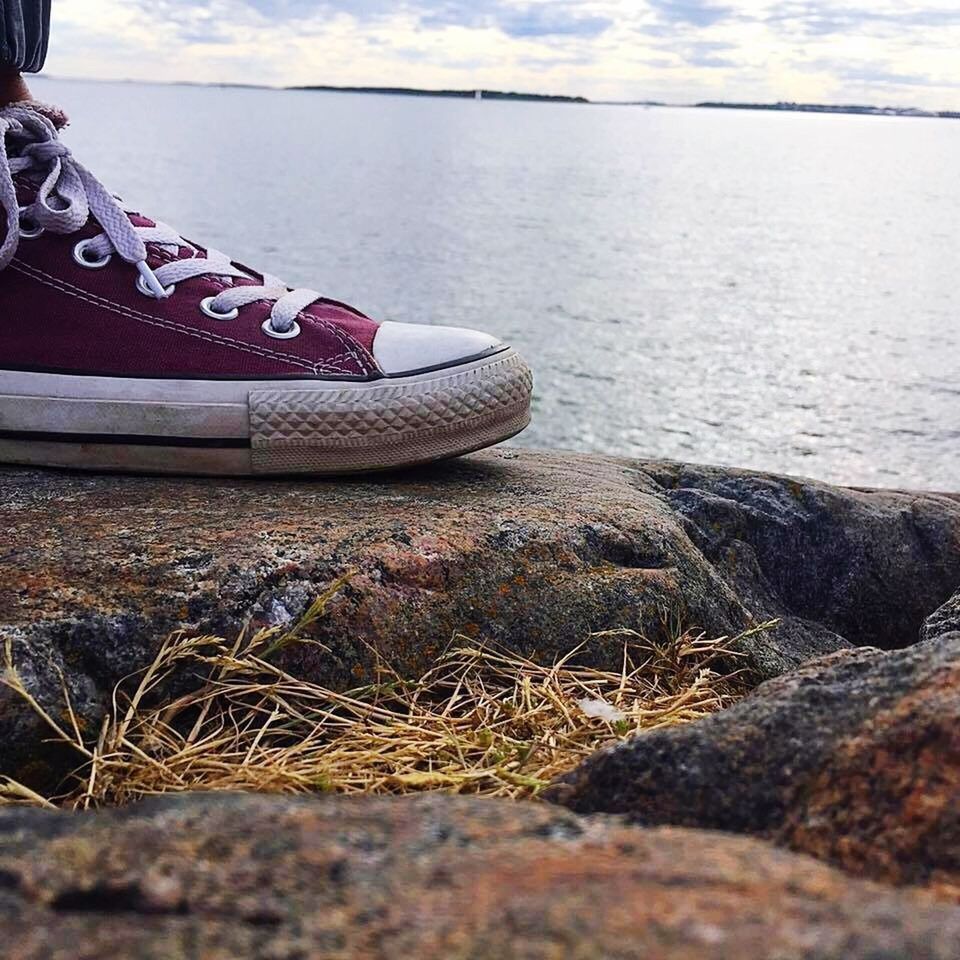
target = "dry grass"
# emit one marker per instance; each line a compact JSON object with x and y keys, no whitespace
{"x":482,"y":721}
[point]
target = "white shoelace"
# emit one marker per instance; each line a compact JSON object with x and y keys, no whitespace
{"x":70,"y":193}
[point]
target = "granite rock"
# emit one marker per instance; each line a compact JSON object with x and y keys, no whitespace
{"x":531,"y":550}
{"x":330,"y":878}
{"x":944,"y":620}
{"x":853,"y":758}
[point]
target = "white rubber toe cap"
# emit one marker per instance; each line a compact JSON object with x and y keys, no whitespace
{"x":401,"y":348}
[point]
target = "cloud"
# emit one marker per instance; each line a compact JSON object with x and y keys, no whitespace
{"x":884,"y":76}
{"x":554,"y":18}
{"x":693,"y":12}
{"x":819,"y":17}
{"x":564,"y":18}
{"x":707,"y":54}
{"x":541,"y":21}
{"x":872,"y":74}
{"x":677,"y":50}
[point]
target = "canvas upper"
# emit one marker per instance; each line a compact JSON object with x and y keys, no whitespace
{"x":61,"y":313}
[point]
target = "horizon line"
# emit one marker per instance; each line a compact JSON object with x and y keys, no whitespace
{"x":785,"y":106}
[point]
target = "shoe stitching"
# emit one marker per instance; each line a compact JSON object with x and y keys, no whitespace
{"x":365,"y":362}
{"x":64,"y":287}
{"x":124,"y":238}
{"x":344,"y":338}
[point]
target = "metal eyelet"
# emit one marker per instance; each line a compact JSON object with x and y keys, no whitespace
{"x":80,"y":256}
{"x":147,"y":292}
{"x":28,"y":233}
{"x":206,"y":306}
{"x":294,"y":331}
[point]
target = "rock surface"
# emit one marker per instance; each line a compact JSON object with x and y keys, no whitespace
{"x":864,"y":564}
{"x":534,"y":550}
{"x":854,"y":758}
{"x":436,"y":877}
{"x":944,"y":620}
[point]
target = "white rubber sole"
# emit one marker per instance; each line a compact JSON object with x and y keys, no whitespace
{"x":257,"y":427}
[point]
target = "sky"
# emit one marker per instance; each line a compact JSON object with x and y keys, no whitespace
{"x":900,"y":52}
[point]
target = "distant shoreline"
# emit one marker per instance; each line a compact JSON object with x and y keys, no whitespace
{"x":858,"y":109}
{"x":783,"y":106}
{"x":447,"y":94}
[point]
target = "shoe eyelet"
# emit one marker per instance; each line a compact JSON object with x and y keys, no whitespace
{"x":206,"y":306}
{"x":294,"y":331}
{"x":147,"y":292}
{"x":28,"y":233}
{"x":80,"y":256}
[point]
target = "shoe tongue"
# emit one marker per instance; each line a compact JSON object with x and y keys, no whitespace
{"x":180,"y":252}
{"x":186,"y":251}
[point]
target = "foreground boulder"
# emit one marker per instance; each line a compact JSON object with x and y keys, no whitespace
{"x":867,"y":565}
{"x":944,"y":620}
{"x":533,"y":550}
{"x":854,"y":758}
{"x":433,"y":878}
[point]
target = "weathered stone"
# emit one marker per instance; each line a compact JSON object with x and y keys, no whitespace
{"x":868,"y":565}
{"x":944,"y":620}
{"x":533,"y":550}
{"x":853,"y":758}
{"x":436,"y":877}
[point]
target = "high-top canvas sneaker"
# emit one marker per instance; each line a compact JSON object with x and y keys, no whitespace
{"x":124,"y":346}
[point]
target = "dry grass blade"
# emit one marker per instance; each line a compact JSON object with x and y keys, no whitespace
{"x":483,"y":720}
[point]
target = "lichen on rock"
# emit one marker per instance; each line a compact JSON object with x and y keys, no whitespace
{"x":434,"y":878}
{"x":853,"y":758}
{"x":532,"y":551}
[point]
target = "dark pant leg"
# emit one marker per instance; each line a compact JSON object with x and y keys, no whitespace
{"x":24,"y":31}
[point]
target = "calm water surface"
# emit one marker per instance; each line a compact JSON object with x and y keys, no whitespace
{"x":766,"y":290}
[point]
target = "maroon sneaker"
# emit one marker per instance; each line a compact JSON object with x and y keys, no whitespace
{"x":125,"y":346}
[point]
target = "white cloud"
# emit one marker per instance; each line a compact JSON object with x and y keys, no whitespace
{"x":881,"y":51}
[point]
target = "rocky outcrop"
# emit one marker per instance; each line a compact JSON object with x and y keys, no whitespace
{"x":817,"y":554}
{"x":533,"y":550}
{"x":944,"y":620}
{"x":437,"y":877}
{"x":853,"y":758}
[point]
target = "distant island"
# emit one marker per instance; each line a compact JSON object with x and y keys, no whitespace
{"x":453,"y":94}
{"x":866,"y":110}
{"x":783,"y":105}
{"x":788,"y":106}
